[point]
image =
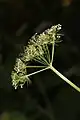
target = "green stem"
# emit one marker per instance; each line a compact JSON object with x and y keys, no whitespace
{"x":37,"y":71}
{"x":35,"y":66}
{"x":64,"y":78}
{"x":52,"y":53}
{"x":44,"y":60}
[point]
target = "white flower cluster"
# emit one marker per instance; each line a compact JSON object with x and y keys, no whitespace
{"x":36,"y":49}
{"x":37,"y":43}
{"x":19,"y":74}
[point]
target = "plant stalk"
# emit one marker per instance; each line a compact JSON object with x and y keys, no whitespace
{"x":36,"y":66}
{"x":64,"y":78}
{"x":37,"y":71}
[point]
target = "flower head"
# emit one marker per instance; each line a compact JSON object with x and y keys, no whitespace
{"x":37,"y":50}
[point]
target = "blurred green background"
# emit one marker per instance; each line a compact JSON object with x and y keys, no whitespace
{"x":48,"y":97}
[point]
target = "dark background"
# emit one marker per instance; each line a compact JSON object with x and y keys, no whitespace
{"x":48,"y":97}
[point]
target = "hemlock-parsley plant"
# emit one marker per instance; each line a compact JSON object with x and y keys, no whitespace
{"x":38,"y":49}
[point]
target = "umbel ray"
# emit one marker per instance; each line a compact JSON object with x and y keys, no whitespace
{"x":38,"y":50}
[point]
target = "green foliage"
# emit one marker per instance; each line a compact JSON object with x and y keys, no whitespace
{"x":12,"y":116}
